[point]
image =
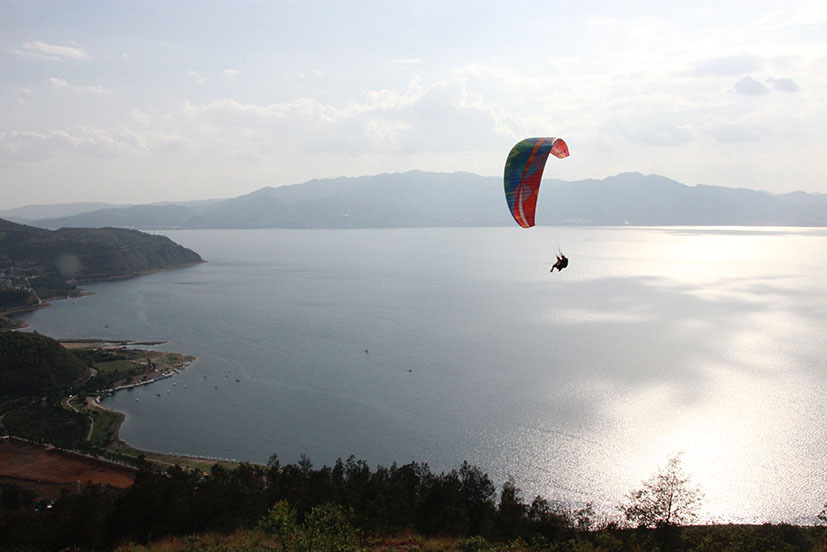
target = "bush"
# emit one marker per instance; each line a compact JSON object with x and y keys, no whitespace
{"x":282,"y":522}
{"x":326,"y":528}
{"x":474,"y":544}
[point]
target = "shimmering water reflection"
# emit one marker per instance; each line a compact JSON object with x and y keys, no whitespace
{"x":444,"y":345}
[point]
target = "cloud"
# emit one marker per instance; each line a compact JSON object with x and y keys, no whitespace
{"x":63,"y":85}
{"x":230,"y":112}
{"x":729,"y":65}
{"x":735,"y":133}
{"x":660,"y":134}
{"x":197,"y":77}
{"x":140,"y":116}
{"x":751,"y":87}
{"x":231,"y":72}
{"x":28,"y":146}
{"x":53,"y":52}
{"x":392,"y":100}
{"x":437,"y":119}
{"x":384,"y":134}
{"x":783,"y":85}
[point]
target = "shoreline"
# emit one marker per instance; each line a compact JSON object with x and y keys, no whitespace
{"x":128,"y":365}
{"x":164,"y":365}
{"x":138,"y":366}
{"x":121,"y":446}
{"x":159,"y":366}
{"x":9,"y":319}
{"x":10,"y":322}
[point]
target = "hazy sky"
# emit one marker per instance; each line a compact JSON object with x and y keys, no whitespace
{"x":142,"y":101}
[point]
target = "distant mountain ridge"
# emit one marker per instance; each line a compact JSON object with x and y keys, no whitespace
{"x":420,"y":199}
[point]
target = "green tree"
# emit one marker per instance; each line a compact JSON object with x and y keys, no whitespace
{"x":584,"y":518}
{"x":666,"y":499}
{"x":281,"y":521}
{"x":512,"y":512}
{"x":478,"y":493}
{"x":327,"y":528}
{"x":821,"y":532}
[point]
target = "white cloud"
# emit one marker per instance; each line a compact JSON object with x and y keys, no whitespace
{"x":735,"y":133}
{"x":197,"y":77}
{"x":783,"y":85}
{"x":440,"y":117}
{"x":232,"y":112}
{"x":392,"y":100}
{"x":235,"y":113}
{"x":630,"y":89}
{"x":751,"y":87}
{"x":384,"y":135}
{"x":64,"y":85}
{"x":140,"y":116}
{"x":660,"y":134}
{"x":729,"y":65}
{"x":52,"y":52}
{"x":24,"y":146}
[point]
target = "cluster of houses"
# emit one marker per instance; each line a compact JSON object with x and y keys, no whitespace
{"x":15,"y":276}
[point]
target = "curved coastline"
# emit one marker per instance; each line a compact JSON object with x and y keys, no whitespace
{"x":105,"y":453}
{"x":161,"y":365}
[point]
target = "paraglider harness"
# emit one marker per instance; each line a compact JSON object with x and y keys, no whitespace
{"x":562,"y":262}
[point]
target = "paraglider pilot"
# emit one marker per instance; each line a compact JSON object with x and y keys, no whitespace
{"x":562,"y":262}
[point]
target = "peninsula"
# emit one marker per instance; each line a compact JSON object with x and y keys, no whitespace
{"x":54,"y":430}
{"x":37,"y":265}
{"x":50,"y":390}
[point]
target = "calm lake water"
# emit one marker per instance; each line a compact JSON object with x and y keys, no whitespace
{"x":444,"y":345}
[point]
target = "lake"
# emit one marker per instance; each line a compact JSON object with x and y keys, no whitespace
{"x":447,"y":344}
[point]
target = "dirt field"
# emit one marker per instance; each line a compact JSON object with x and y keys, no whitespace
{"x":47,"y":471}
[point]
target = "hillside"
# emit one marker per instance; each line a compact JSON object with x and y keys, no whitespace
{"x":36,"y":264}
{"x":421,"y":199}
{"x":57,"y":210}
{"x":32,"y":364}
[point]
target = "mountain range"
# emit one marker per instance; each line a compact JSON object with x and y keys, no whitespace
{"x":420,"y":199}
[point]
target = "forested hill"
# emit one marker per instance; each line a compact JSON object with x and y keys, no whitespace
{"x":418,"y":199}
{"x":33,"y":364}
{"x":36,"y":264}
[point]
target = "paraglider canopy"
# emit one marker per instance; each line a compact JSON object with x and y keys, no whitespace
{"x":523,"y":171}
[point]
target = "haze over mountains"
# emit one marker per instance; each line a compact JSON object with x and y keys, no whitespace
{"x":422,"y":199}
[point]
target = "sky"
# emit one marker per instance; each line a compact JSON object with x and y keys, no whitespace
{"x":166,"y":100}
